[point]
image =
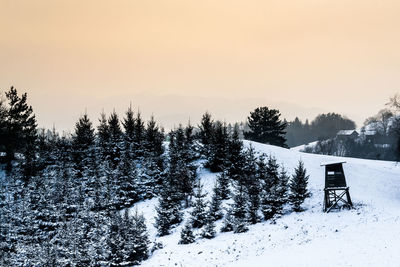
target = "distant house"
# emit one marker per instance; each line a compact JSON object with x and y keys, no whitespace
{"x":347,"y":134}
{"x":371,"y":136}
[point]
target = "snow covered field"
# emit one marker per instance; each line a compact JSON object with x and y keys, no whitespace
{"x":368,"y":235}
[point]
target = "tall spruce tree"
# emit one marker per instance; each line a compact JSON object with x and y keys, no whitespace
{"x":115,"y":139}
{"x":209,"y":228}
{"x":206,"y":134}
{"x":20,"y":131}
{"x":223,"y":183}
{"x":253,"y":186}
{"x":219,"y":148}
{"x":187,"y":236}
{"x":298,"y":187}
{"x":199,"y":214}
{"x":266,"y":127}
{"x":269,"y":187}
{"x":214,"y":210}
{"x":83,"y":143}
{"x":239,"y":212}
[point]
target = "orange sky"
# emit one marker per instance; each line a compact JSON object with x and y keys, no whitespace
{"x":178,"y":58}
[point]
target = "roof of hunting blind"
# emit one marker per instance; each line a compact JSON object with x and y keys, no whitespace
{"x":332,"y":162}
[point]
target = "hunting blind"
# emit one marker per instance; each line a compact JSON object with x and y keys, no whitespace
{"x":335,"y":186}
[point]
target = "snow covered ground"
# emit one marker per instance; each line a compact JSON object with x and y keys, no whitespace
{"x":302,"y":147}
{"x":368,"y":235}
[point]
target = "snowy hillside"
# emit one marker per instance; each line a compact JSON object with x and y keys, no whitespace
{"x":368,"y":235}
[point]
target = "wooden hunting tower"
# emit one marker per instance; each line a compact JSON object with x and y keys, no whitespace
{"x":335,"y":186}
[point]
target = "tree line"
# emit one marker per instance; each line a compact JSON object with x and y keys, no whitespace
{"x":65,"y":200}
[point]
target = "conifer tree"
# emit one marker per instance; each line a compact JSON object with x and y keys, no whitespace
{"x":139,"y":135}
{"x":228,"y":224}
{"x":129,"y":125}
{"x":206,"y":134}
{"x":187,"y":236}
{"x":298,"y":187}
{"x":115,"y":139}
{"x":214,"y":210}
{"x":270,"y":185}
{"x":223,"y":185}
{"x":266,"y":127}
{"x":83,"y":143}
{"x":219,"y":146}
{"x":236,"y":157}
{"x":199,"y":214}
{"x":103,"y":135}
{"x":253,"y":186}
{"x":168,"y":210}
{"x":20,"y":131}
{"x":209,"y":228}
{"x":239,"y":213}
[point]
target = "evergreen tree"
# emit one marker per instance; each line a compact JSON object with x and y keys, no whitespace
{"x":129,"y":125}
{"x":209,"y":228}
{"x":138,"y":249}
{"x":187,"y":236}
{"x":206,"y":134}
{"x":199,"y":213}
{"x":266,"y":127}
{"x":298,"y":187}
{"x":275,"y":191}
{"x":128,"y":189}
{"x":223,"y":185}
{"x":168,"y":210}
{"x":103,"y":136}
{"x":139,"y":135}
{"x":219,"y":148}
{"x":115,"y":139}
{"x":270,"y":185}
{"x":83,"y":143}
{"x":228,"y":224}
{"x":20,"y":131}
{"x":154,"y":137}
{"x":214,"y":210}
{"x":239,"y":212}
{"x":253,"y":186}
{"x":182,"y":171}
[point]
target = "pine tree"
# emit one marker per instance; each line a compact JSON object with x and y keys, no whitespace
{"x":129,"y":125}
{"x":187,"y":236}
{"x":137,"y":250}
{"x":154,"y":137}
{"x":199,"y":214}
{"x":214,"y":209}
{"x":228,"y":224}
{"x":270,"y":185}
{"x":139,"y":135}
{"x":128,"y":189}
{"x":253,"y":186}
{"x":168,"y":210}
{"x":219,"y":148}
{"x":266,"y":127}
{"x":236,"y":157}
{"x":20,"y":131}
{"x":103,"y":136}
{"x":115,"y":139}
{"x":239,"y":213}
{"x":298,"y":187}
{"x":83,"y":143}
{"x":223,"y":185}
{"x":209,"y":228}
{"x":206,"y":134}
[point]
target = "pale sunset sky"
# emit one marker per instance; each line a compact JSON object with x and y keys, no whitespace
{"x":178,"y":58}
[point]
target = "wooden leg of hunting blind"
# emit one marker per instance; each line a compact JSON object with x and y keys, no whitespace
{"x":331,"y":199}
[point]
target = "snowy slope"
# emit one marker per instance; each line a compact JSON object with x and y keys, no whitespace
{"x":368,"y":235}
